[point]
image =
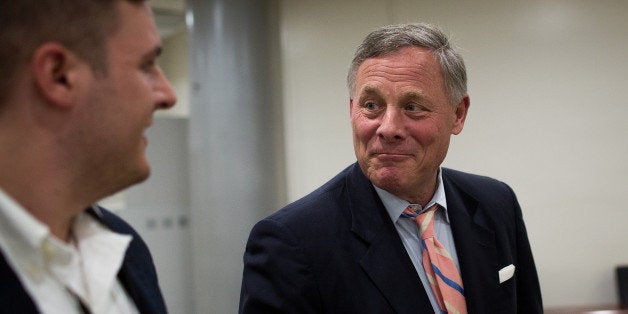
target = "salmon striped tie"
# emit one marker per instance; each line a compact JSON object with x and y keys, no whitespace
{"x":440,"y":269}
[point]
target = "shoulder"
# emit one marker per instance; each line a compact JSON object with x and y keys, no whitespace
{"x":319,"y":204}
{"x":319,"y":217}
{"x":476,"y":185}
{"x":112,"y":221}
{"x":137,"y":247}
{"x":470,"y":179}
{"x":116,"y":224}
{"x":492,"y":193}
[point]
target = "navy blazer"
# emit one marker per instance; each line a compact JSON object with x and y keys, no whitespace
{"x":137,"y":275}
{"x":337,"y":251}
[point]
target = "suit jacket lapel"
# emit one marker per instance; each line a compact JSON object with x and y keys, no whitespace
{"x":475,"y":247}
{"x":132,"y":283}
{"x":385,"y":261}
{"x":131,"y":274}
{"x":14,"y":297}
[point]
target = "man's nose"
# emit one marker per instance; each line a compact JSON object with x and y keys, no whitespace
{"x":391,"y":126}
{"x":166,"y":94}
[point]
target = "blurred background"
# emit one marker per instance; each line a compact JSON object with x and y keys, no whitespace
{"x":263,"y":119}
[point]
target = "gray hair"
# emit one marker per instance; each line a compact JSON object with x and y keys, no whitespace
{"x":392,"y":38}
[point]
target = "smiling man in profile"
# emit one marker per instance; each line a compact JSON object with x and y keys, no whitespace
{"x":78,"y":88}
{"x":396,"y":232}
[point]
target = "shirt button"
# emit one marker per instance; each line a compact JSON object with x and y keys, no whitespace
{"x":48,"y":251}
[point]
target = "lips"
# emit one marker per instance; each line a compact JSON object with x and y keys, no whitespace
{"x":391,"y":156}
{"x":378,"y":152}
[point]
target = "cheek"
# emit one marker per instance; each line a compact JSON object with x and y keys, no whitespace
{"x":363,"y":129}
{"x":426,"y":134}
{"x":434,"y":141}
{"x":430,"y":131}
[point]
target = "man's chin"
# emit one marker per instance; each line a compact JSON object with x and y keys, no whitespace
{"x":386,"y":180}
{"x":143,"y":173}
{"x":139,"y":175}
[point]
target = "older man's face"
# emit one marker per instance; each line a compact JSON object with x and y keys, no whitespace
{"x":402,"y":120}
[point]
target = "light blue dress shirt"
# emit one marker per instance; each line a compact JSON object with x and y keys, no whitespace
{"x":409,"y":231}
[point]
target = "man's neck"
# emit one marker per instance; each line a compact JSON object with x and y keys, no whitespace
{"x":44,"y":194}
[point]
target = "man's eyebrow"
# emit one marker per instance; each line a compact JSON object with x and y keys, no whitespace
{"x":413,"y":95}
{"x":369,"y":90}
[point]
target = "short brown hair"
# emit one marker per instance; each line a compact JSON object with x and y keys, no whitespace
{"x":80,"y":25}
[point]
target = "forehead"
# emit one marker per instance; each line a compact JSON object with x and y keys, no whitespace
{"x":136,"y":32}
{"x":406,"y":67}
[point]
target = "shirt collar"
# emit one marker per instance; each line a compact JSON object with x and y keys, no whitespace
{"x":395,"y":205}
{"x":30,"y":246}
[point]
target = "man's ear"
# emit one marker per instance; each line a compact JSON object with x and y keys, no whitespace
{"x":350,"y":106}
{"x":54,"y":68}
{"x":460,"y":113}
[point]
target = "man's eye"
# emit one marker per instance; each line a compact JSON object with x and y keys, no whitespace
{"x":412,"y":107}
{"x":370,"y":105}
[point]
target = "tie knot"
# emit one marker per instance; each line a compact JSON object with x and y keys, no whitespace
{"x":425,"y":221}
{"x":410,"y":212}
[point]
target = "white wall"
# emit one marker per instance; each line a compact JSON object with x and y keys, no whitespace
{"x":159,"y":209}
{"x":549,"y":93}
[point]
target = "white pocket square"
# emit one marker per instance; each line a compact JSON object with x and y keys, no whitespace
{"x":506,"y":273}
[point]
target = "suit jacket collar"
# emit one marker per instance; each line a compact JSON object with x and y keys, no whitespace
{"x":133,"y":273}
{"x":385,"y":259}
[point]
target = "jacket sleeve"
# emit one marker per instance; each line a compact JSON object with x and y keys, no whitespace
{"x":528,"y":288}
{"x":277,"y":275}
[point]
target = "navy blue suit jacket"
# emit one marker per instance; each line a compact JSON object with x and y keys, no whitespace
{"x":337,"y":251}
{"x":137,"y":275}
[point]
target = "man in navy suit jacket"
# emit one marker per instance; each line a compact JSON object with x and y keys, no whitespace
{"x":79,"y":85}
{"x":344,"y":248}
